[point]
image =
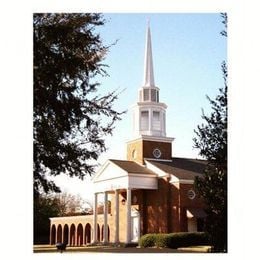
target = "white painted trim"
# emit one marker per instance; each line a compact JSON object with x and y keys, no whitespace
{"x":148,"y":175}
{"x":152,"y":104}
{"x":157,"y":170}
{"x":152,"y":138}
{"x":71,"y":217}
{"x":100,"y":170}
{"x":114,"y":178}
{"x":158,"y":160}
{"x":182,"y":181}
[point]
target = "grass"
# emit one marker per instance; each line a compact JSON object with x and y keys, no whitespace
{"x":113,"y":249}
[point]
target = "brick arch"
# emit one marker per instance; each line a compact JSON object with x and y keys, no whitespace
{"x":108,"y":233}
{"x":53,"y":234}
{"x":59,"y":234}
{"x":87,"y":233}
{"x":98,"y":232}
{"x":102,"y":233}
{"x":72,"y":235}
{"x":66,"y":234}
{"x":80,"y":235}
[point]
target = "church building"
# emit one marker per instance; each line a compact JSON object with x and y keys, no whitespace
{"x":149,"y":192}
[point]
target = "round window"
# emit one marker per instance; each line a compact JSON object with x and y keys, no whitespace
{"x":191,"y":194}
{"x":157,"y":153}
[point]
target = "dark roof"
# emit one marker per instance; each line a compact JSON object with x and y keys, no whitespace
{"x":182,"y":168}
{"x":132,"y":167}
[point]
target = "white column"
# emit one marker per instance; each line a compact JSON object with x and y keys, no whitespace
{"x":105,"y":217}
{"x":128,"y":216}
{"x":117,"y":217}
{"x":95,"y":218}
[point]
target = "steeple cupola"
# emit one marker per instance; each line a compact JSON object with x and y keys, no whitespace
{"x":149,"y":113}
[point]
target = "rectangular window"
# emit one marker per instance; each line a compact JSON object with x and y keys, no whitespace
{"x":144,"y":120}
{"x":146,"y":94}
{"x":156,"y":121}
{"x":153,"y":95}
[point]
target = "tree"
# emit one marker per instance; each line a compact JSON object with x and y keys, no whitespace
{"x":55,"y":205}
{"x":211,"y":140}
{"x":70,"y":120}
{"x":71,"y":205}
{"x":44,"y":207}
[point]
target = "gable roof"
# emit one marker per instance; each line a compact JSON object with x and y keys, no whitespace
{"x":182,"y":168}
{"x":132,"y":167}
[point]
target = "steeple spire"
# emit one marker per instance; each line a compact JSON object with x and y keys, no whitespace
{"x":148,"y":60}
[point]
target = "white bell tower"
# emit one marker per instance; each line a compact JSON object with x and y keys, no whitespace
{"x":149,"y":113}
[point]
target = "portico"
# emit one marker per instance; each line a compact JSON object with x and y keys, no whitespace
{"x":116,"y":178}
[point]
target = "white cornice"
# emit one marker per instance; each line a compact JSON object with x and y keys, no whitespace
{"x":156,"y":170}
{"x":182,"y":181}
{"x":149,"y":104}
{"x":152,"y":138}
{"x":158,"y":160}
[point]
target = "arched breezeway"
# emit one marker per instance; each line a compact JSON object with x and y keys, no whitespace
{"x":72,"y":235}
{"x":102,"y":233}
{"x":98,"y":233}
{"x":80,"y":235}
{"x":87,"y":234}
{"x":53,"y":235}
{"x":66,"y":234}
{"x":59,"y":234}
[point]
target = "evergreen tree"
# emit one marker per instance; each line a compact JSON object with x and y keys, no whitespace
{"x":211,"y":140}
{"x":212,"y":187}
{"x":44,"y":207}
{"x":70,"y":119}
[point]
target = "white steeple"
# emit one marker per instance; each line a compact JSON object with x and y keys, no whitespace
{"x":149,"y":112}
{"x":148,"y":60}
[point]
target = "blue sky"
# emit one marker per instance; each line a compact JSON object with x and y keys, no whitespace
{"x":187,"y":53}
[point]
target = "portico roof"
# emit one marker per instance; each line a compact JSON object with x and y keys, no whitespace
{"x":123,"y":174}
{"x":132,"y":167}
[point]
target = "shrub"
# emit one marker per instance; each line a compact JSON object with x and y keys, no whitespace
{"x":174,"y":240}
{"x":162,"y":240}
{"x":147,"y":240}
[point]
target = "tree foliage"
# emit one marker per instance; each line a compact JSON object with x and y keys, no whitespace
{"x":71,"y":205}
{"x":44,"y":207}
{"x":55,"y":205}
{"x":70,"y":119}
{"x":211,"y":140}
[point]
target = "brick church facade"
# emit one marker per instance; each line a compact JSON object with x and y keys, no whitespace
{"x":150,"y":192}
